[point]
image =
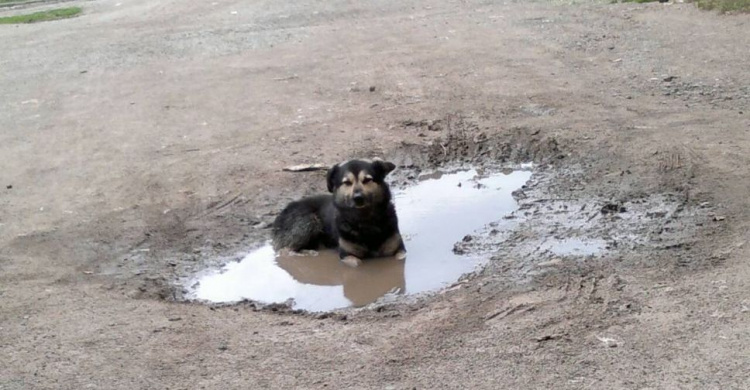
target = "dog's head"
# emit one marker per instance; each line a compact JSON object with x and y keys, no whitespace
{"x":360,"y":184}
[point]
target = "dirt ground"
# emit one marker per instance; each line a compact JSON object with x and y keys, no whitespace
{"x":144,"y":140}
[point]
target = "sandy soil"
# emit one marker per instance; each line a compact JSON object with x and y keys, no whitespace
{"x":144,"y":141}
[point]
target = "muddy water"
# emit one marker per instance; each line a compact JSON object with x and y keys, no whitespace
{"x":433,"y":215}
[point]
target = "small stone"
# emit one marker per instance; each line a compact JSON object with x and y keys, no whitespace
{"x":550,"y":263}
{"x":611,"y":208}
{"x":608,"y":341}
{"x":9,"y":186}
{"x":372,"y":88}
{"x":262,"y":225}
{"x":656,"y":214}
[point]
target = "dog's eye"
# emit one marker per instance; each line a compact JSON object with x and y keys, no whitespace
{"x":366,"y":180}
{"x":347,"y":182}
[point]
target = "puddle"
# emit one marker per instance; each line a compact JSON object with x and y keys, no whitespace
{"x":433,"y":215}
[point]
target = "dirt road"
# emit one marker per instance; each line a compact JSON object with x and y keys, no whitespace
{"x":144,"y":140}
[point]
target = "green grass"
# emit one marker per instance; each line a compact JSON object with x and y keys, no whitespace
{"x":724,"y":6}
{"x":53,"y":14}
{"x":634,"y":1}
{"x":15,"y":2}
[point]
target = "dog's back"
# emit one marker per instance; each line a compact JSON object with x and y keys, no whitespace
{"x":305,"y":224}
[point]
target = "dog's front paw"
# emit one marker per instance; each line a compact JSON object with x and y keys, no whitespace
{"x":304,"y":252}
{"x":352,"y":261}
{"x":400,"y":255}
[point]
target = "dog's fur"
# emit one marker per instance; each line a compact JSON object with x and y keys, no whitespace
{"x":358,"y":216}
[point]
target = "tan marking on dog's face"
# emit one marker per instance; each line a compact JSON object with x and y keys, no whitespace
{"x":346,"y":189}
{"x":348,"y":180}
{"x":364,"y":183}
{"x":372,"y":190}
{"x":352,"y":248}
{"x":390,"y":246}
{"x":364,"y":177}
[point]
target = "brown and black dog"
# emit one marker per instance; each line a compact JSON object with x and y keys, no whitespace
{"x":358,"y":216}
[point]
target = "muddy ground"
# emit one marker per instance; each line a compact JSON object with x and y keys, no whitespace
{"x":145,"y":140}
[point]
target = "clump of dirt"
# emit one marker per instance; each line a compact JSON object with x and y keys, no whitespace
{"x":464,"y":141}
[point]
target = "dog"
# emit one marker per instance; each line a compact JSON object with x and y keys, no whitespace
{"x":357,"y":217}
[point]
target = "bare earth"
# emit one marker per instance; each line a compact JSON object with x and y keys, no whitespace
{"x":145,"y":140}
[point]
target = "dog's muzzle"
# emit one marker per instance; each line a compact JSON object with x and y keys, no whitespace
{"x":358,"y":199}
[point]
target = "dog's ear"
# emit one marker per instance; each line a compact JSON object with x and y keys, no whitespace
{"x":382,"y":168}
{"x":331,"y":177}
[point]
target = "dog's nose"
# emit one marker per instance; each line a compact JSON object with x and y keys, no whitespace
{"x":358,"y":198}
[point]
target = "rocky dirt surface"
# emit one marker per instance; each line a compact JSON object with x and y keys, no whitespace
{"x":145,"y":140}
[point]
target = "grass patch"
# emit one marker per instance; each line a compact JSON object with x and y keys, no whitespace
{"x":724,"y":6}
{"x":634,"y":1}
{"x":43,"y":16}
